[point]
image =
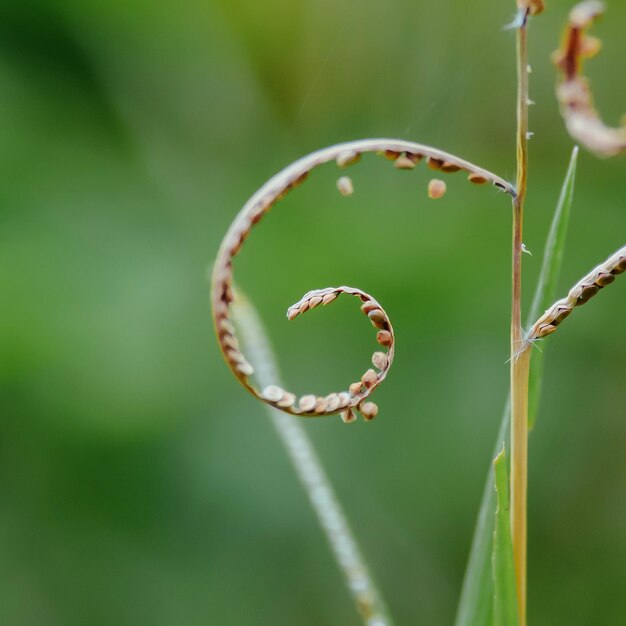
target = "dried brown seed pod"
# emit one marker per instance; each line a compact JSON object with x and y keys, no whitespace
{"x":384,"y":337}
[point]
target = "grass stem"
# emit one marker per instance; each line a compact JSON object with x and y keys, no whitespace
{"x":520,"y":358}
{"x":313,"y":478}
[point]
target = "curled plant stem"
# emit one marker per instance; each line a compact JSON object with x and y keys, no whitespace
{"x":405,"y":156}
{"x":310,"y":471}
{"x":519,"y":361}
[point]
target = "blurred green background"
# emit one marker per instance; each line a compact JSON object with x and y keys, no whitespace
{"x":139,"y":484}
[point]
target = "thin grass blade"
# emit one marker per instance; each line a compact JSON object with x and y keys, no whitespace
{"x":504,"y":596}
{"x":548,"y":278}
{"x":476,"y":602}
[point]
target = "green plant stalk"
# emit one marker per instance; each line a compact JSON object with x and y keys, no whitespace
{"x":368,"y":599}
{"x":520,"y":359}
{"x":476,"y":601}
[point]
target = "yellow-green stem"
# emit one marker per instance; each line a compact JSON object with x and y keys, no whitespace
{"x":519,"y":357}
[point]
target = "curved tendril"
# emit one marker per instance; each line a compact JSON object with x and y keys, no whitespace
{"x":582,"y":120}
{"x":601,"y":276}
{"x":405,"y":155}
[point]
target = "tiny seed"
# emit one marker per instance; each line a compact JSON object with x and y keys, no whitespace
{"x":332,"y":403}
{"x":392,"y":155}
{"x":344,"y":399}
{"x":377,"y":318}
{"x":384,"y":338}
{"x":307,"y":403}
{"x":369,"y":410}
{"x":304,"y":307}
{"x":355,"y":388}
{"x":604,"y":279}
{"x":436,"y":188}
{"x":379,"y":360}
{"x":477,"y":179}
{"x":450,"y":167}
{"x":416,"y":158}
{"x":329,"y":297}
{"x":292,"y":313}
{"x":402,"y":163}
{"x":344,"y":184}
{"x":544,"y":331}
{"x":273,"y":393}
{"x":369,"y":306}
{"x":245,"y":369}
{"x":348,"y":416}
{"x":287,"y":400}
{"x":314,"y":301}
{"x":434,"y":164}
{"x":369,"y":379}
{"x":321,"y":405}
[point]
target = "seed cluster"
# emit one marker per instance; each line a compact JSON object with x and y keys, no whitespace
{"x":601,"y":276}
{"x":405,"y":155}
{"x":345,"y":402}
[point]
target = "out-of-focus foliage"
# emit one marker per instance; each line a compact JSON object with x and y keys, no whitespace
{"x":138,"y":482}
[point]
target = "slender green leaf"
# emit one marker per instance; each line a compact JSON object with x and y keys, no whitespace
{"x":505,"y":595}
{"x":476,"y":602}
{"x":550,"y":271}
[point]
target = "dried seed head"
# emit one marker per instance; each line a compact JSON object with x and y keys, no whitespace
{"x":379,"y":360}
{"x":581,"y":292}
{"x":369,"y":410}
{"x":404,"y":152}
{"x":436,"y":188}
{"x":348,"y":416}
{"x":344,"y":184}
{"x":307,"y":403}
{"x":369,"y":379}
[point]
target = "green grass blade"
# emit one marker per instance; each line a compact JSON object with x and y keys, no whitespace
{"x":476,"y":602}
{"x":505,"y":595}
{"x":550,"y":271}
